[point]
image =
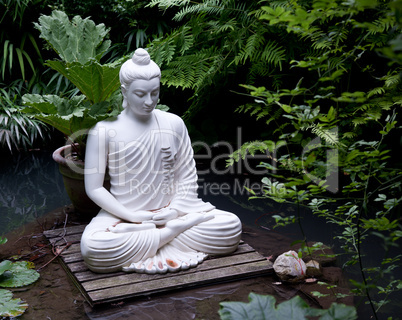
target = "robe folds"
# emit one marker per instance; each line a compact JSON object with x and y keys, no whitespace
{"x":156,"y":171}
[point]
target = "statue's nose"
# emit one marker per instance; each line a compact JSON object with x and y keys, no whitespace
{"x":148,"y":101}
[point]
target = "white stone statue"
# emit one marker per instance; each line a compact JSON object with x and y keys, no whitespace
{"x":152,"y":220}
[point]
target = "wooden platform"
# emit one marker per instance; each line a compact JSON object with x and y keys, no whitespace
{"x":102,"y":288}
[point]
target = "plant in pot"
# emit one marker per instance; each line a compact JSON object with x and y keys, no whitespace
{"x":80,"y":45}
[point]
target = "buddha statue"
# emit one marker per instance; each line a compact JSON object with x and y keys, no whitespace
{"x":151,"y":220}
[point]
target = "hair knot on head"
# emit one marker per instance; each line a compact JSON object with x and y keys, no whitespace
{"x":141,"y":57}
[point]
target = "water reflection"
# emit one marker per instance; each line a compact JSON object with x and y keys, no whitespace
{"x":181,"y":304}
{"x":30,"y":186}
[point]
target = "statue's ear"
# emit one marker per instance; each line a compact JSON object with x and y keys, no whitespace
{"x":123,"y":90}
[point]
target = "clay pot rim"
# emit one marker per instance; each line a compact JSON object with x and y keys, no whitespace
{"x":58,"y":156}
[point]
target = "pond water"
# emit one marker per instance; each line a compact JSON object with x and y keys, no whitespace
{"x":31,"y":187}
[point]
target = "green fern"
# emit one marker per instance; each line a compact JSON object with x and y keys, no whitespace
{"x":392,"y":79}
{"x":375,"y":91}
{"x":209,"y":7}
{"x":166,"y":4}
{"x":329,"y":135}
{"x":189,"y":71}
{"x":216,"y":39}
{"x":349,"y":135}
{"x":162,"y":50}
{"x":253,"y":45}
{"x":358,"y":121}
{"x":251,"y":148}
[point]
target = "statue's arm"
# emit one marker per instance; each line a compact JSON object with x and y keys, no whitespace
{"x":185,"y":171}
{"x":95,"y":168}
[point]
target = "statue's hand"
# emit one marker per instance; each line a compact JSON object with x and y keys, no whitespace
{"x":164,"y":215}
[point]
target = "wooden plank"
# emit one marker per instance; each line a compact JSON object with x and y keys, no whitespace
{"x":242,"y":248}
{"x":73,"y":257}
{"x":133,"y":278}
{"x":88,"y":275}
{"x":64,"y":231}
{"x":101,"y":288}
{"x":185,"y":280}
{"x":60,"y":241}
{"x":77,"y":266}
{"x":74,"y":248}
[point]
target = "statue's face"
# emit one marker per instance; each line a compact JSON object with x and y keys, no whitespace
{"x":142,"y":96}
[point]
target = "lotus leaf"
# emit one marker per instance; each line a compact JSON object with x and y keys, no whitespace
{"x":11,"y":307}
{"x":264,"y":307}
{"x":20,"y":274}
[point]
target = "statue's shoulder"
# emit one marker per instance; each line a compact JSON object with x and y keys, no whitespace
{"x":172,"y":119}
{"x":107,"y":123}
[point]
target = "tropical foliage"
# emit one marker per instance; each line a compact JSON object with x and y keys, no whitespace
{"x":335,"y":122}
{"x":80,"y":45}
{"x":132,"y":24}
{"x":20,"y":50}
{"x":17,"y":130}
{"x":217,"y":45}
{"x":20,"y":62}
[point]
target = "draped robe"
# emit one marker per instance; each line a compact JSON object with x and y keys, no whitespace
{"x":157,"y":170}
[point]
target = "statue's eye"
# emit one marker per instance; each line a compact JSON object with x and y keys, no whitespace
{"x":139,"y":94}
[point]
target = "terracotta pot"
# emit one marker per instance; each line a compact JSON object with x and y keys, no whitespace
{"x":74,"y":181}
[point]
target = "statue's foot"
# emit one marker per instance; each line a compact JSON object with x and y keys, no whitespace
{"x":168,"y":259}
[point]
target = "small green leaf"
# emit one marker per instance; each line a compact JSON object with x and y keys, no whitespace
{"x":162,"y":107}
{"x":20,"y":274}
{"x":285,"y":107}
{"x":11,"y":307}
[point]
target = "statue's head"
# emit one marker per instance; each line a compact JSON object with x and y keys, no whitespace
{"x":139,"y":67}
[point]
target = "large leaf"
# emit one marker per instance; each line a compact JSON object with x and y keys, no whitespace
{"x":52,"y":104}
{"x":10,"y":307}
{"x":55,"y":111}
{"x":20,"y":274}
{"x":339,"y":312}
{"x":70,"y":115}
{"x":96,"y":81}
{"x":263,"y":307}
{"x":77,"y":41}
